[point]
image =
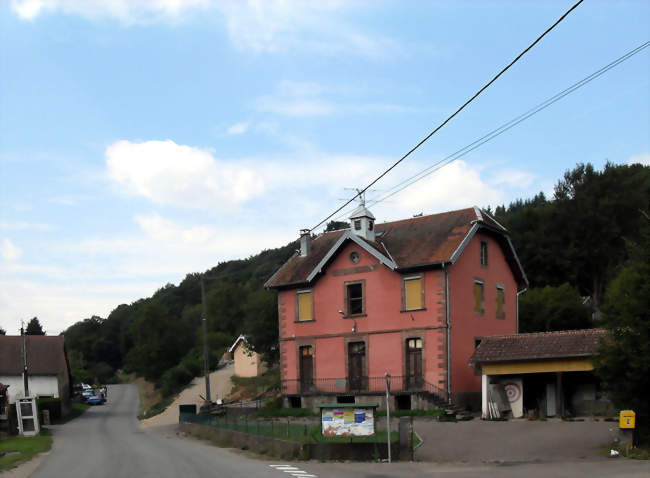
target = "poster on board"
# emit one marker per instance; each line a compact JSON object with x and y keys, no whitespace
{"x":342,"y":422}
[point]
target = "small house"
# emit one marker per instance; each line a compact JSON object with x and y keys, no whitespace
{"x":48,"y":371}
{"x":248,"y":363}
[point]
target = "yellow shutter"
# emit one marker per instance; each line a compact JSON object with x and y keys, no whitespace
{"x":500,"y":302}
{"x":304,"y":306}
{"x":478,"y":297}
{"x":413,"y":292}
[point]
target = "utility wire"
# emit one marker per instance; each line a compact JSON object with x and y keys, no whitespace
{"x":441,"y":125}
{"x":504,"y":127}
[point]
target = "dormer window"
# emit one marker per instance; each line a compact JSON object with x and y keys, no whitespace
{"x":357,"y":225}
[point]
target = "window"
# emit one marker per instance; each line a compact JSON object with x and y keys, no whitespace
{"x":305,"y":306}
{"x":413,"y":299}
{"x":354,"y":303}
{"x":501,"y":300}
{"x":484,"y":254}
{"x":370,"y":225}
{"x":357,"y":224}
{"x":479,"y":297}
{"x":414,"y":344}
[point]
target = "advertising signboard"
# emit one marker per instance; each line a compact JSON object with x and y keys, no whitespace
{"x":348,"y":419}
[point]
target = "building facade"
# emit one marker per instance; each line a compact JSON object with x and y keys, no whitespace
{"x":48,"y":371}
{"x":406,"y":298}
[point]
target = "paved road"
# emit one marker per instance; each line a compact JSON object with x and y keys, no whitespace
{"x":107,"y":442}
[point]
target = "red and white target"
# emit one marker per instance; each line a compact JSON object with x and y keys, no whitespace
{"x":513,"y":391}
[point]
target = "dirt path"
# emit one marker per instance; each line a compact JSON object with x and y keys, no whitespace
{"x":220,"y":386}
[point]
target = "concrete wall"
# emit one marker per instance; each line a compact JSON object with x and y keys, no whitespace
{"x":288,"y":450}
{"x":467,"y":325}
{"x":40,"y":385}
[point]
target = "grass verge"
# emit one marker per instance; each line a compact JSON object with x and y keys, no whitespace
{"x":151,"y":400}
{"x":246,"y":388}
{"x":21,"y":449}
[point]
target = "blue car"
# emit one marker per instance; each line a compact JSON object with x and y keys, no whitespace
{"x":95,"y":400}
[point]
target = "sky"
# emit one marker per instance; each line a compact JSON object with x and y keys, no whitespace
{"x":142,"y":140}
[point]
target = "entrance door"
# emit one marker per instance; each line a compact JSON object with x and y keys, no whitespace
{"x":356,"y":366}
{"x":306,"y":368}
{"x":414,"y":378}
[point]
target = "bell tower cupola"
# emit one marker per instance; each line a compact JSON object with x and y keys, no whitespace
{"x":362,"y":222}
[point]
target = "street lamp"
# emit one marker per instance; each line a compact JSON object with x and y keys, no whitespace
{"x":387,"y":377}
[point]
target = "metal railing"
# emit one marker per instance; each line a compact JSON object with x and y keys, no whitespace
{"x":361,"y":385}
{"x":304,"y":430}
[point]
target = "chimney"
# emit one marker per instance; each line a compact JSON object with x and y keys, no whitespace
{"x":305,"y":242}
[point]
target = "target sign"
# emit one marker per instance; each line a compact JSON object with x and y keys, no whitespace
{"x":513,"y":391}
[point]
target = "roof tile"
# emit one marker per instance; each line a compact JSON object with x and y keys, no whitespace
{"x":541,"y":345}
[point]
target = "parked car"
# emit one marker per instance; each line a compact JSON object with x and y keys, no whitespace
{"x":95,"y":400}
{"x":86,"y":394}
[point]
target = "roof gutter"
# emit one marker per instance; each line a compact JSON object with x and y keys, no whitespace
{"x":518,"y":294}
{"x":448,"y":341}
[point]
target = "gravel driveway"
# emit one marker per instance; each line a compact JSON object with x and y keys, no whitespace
{"x":512,"y":441}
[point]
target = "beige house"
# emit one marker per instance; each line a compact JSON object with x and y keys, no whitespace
{"x":247,"y":362}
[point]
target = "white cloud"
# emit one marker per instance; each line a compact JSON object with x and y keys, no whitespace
{"x":296,"y":107}
{"x":643,"y":158}
{"x":238,"y":128}
{"x":302,"y":99}
{"x":125,"y":11}
{"x":59,"y":305}
{"x":25,"y":226}
{"x":513,"y":178}
{"x":168,"y":173}
{"x":273,"y":26}
{"x":9,"y":251}
{"x":457,"y":185}
{"x":258,"y":26}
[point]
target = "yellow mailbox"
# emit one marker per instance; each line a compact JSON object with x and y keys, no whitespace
{"x":627,"y":419}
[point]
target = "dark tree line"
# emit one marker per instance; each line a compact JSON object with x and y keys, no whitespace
{"x":573,"y":246}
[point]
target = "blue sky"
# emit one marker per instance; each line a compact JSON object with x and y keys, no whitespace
{"x":142,"y":140}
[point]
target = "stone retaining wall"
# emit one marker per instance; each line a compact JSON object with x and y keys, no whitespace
{"x":290,"y":450}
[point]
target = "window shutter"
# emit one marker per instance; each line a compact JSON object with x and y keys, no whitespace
{"x":478,"y":297}
{"x":500,"y":302}
{"x":305,"y":306}
{"x":413,"y":292}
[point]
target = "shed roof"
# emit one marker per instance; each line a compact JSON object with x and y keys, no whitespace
{"x":45,"y":355}
{"x":538,"y":346}
{"x":406,"y":244}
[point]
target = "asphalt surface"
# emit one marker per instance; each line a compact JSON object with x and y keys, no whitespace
{"x":107,"y":442}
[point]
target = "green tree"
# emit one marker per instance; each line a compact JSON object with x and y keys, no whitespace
{"x":336,"y":225}
{"x":553,"y":308}
{"x":34,"y":327}
{"x":3,"y":331}
{"x":624,"y":361}
{"x":160,"y":341}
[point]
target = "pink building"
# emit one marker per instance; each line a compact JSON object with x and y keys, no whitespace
{"x":409,"y":298}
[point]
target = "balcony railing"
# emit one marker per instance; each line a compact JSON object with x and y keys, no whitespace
{"x":361,"y":385}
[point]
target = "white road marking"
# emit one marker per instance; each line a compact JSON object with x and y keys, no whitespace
{"x":293,"y":470}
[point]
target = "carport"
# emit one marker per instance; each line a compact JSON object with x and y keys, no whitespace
{"x":549,"y":373}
